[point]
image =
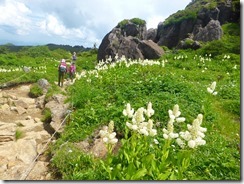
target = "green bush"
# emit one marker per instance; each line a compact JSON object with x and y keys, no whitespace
{"x":35,"y":91}
{"x":47,"y":115}
{"x":136,"y":21}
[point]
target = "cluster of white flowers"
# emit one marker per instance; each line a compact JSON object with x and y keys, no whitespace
{"x":174,"y":116}
{"x":86,"y":74}
{"x":192,"y":138}
{"x":109,"y":64}
{"x":211,"y":89}
{"x":40,"y":69}
{"x":194,"y":135}
{"x":128,"y":111}
{"x":4,"y":70}
{"x":203,"y":59}
{"x":181,"y":57}
{"x":226,"y":57}
{"x":104,"y":65}
{"x":138,"y":120}
{"x":108,"y":135}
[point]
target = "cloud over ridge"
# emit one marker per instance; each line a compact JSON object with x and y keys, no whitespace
{"x":75,"y":22}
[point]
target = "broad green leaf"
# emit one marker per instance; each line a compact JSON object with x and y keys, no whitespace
{"x":164,"y":176}
{"x":172,"y":176}
{"x":126,"y":156}
{"x":139,"y":174}
{"x":130,"y":171}
{"x":165,"y":155}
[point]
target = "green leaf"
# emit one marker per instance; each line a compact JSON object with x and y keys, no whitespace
{"x":164,"y":176}
{"x":172,"y":176}
{"x":165,"y":155}
{"x":185,"y":163}
{"x":130,"y":171}
{"x":139,"y":174}
{"x":147,"y":160}
{"x":127,"y":156}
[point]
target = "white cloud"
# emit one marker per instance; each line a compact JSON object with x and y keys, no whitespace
{"x":52,"y":26}
{"x":15,"y":15}
{"x":152,"y":22}
{"x":77,"y":22}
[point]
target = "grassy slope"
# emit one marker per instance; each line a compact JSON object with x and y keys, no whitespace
{"x":181,"y":81}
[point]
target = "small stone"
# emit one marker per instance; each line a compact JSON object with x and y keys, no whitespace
{"x":28,"y":118}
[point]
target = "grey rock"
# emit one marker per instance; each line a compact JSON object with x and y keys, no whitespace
{"x":127,"y":41}
{"x":212,"y":31}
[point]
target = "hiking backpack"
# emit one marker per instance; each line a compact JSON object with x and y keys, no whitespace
{"x":62,"y":67}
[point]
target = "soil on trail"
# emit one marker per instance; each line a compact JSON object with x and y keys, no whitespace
{"x":20,"y":113}
{"x":20,"y":92}
{"x":24,"y":158}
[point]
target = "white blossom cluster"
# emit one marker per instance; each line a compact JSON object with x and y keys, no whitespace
{"x":104,"y":65}
{"x":203,"y":59}
{"x":226,"y":57}
{"x":40,"y":69}
{"x":108,"y":135}
{"x":193,"y":137}
{"x":180,"y":57}
{"x":138,"y":121}
{"x":174,"y":116}
{"x":108,"y":64}
{"x":211,"y":89}
{"x":5,"y":70}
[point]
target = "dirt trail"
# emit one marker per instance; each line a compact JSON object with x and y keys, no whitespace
{"x":23,"y":158}
{"x":20,"y":92}
{"x":20,"y":114}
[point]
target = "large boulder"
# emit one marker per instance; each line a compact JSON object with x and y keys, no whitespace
{"x":43,"y":84}
{"x":134,"y":30}
{"x":150,"y":50}
{"x":128,"y":39}
{"x":169,"y":35}
{"x":212,"y":31}
{"x":189,"y":43}
{"x":58,"y":110}
{"x":151,"y":34}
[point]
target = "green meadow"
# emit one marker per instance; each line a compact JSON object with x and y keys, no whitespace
{"x":100,"y":95}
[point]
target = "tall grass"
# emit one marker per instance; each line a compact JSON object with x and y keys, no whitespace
{"x":102,"y":92}
{"x":183,"y":80}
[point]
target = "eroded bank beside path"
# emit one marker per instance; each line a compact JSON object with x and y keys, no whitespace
{"x":23,"y":134}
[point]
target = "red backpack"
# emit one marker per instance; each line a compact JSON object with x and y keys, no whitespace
{"x":72,"y":68}
{"x":62,"y":67}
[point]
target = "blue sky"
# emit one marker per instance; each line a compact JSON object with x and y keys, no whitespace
{"x":76,"y":22}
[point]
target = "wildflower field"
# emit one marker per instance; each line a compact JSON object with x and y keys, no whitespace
{"x":175,"y":118}
{"x":179,"y":118}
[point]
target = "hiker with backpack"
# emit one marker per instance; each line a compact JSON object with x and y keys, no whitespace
{"x":74,"y":57}
{"x":62,"y":69}
{"x":72,"y":70}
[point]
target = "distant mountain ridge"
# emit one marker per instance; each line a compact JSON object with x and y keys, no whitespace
{"x":76,"y":48}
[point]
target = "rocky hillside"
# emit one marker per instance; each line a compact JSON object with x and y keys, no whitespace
{"x":201,"y":21}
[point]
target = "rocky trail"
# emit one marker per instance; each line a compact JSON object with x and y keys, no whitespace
{"x":23,"y":135}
